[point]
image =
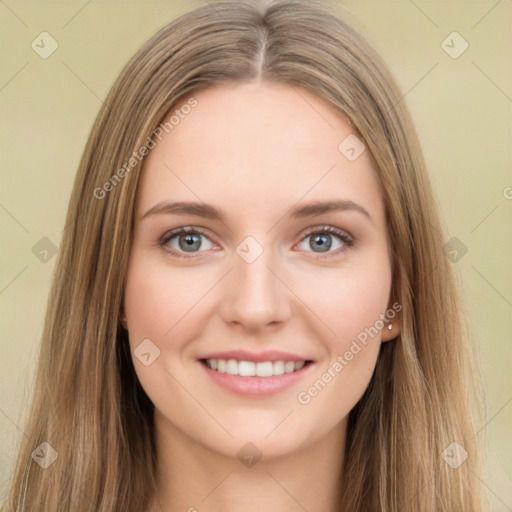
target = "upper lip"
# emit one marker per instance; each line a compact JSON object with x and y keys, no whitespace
{"x":268,"y":355}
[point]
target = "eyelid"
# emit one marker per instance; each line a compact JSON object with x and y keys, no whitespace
{"x":165,"y":239}
{"x":347,"y":239}
{"x":326,"y":228}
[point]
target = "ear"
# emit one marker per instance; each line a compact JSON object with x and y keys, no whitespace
{"x":393,"y":325}
{"x":122,"y":319}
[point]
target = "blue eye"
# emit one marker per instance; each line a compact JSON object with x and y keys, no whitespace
{"x":186,"y":242}
{"x":322,"y":239}
{"x":188,"y":239}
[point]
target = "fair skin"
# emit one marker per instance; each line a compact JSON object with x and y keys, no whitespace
{"x":255,"y":151}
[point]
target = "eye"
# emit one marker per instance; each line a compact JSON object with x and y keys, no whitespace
{"x":322,"y":239}
{"x":184,"y":240}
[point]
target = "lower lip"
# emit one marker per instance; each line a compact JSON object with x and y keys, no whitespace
{"x":256,"y":387}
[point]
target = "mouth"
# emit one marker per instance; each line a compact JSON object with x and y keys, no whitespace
{"x":245,"y":368}
{"x":255,"y":375}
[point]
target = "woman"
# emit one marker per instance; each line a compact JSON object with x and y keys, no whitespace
{"x":206,"y":346}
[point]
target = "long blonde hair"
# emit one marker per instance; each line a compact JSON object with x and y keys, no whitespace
{"x":88,"y":404}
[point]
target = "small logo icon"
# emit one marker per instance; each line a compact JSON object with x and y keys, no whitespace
{"x":249,"y":249}
{"x":249,"y":455}
{"x":454,"y":455}
{"x":44,"y":45}
{"x":44,"y":250}
{"x":454,"y":45}
{"x":454,"y":249}
{"x":351,"y":147}
{"x":146,"y":352}
{"x":45,"y":455}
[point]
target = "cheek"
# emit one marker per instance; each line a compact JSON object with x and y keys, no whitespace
{"x":350,"y":306}
{"x":159,"y":304}
{"x":145,"y":303}
{"x":157,"y":297}
{"x":348,"y":302}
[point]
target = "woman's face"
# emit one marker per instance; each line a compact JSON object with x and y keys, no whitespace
{"x":264,"y":283}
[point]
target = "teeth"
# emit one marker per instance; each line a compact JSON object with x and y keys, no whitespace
{"x":289,"y":367}
{"x":247,"y":368}
{"x":278,"y":367}
{"x":253,"y":369}
{"x":264,"y":369}
{"x":232,"y":367}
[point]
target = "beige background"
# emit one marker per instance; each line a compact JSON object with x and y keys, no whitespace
{"x":462,"y":108}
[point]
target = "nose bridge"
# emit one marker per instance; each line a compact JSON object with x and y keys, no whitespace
{"x":256,"y":296}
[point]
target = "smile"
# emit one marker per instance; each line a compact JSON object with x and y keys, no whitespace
{"x":253,"y":368}
{"x":256,"y":379}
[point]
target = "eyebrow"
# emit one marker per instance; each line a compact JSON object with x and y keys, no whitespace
{"x":208,"y":211}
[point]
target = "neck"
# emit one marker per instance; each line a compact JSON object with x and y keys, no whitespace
{"x":193,"y":478}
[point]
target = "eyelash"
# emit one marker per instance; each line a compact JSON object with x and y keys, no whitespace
{"x":347,"y":240}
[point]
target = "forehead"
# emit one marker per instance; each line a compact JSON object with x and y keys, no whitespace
{"x":256,"y":146}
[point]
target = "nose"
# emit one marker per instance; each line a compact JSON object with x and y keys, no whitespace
{"x":256,"y":297}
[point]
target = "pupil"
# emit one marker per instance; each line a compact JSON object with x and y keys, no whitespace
{"x":190,"y":241}
{"x":325,"y":242}
{"x":322,"y":241}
